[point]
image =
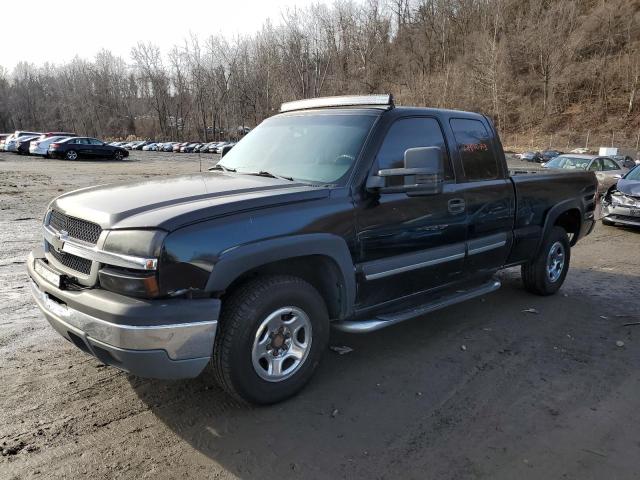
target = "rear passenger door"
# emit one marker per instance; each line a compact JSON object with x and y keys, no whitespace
{"x":83,"y":147}
{"x":488,"y":194}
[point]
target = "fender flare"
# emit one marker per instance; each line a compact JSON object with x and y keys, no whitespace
{"x":554,"y":213}
{"x":236,"y":261}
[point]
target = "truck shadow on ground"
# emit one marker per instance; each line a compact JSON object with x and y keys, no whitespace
{"x":453,"y":376}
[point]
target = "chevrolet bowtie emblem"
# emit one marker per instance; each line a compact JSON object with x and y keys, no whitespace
{"x":57,"y":240}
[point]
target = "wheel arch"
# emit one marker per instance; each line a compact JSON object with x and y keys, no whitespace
{"x":567,"y":215}
{"x":323,"y":260}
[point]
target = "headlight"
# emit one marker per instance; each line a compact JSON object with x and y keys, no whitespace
{"x":136,"y":243}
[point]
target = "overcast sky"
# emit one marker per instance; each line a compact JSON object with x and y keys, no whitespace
{"x":56,"y":31}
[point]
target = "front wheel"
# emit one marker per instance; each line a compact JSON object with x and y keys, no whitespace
{"x":545,"y":274}
{"x":71,"y":155}
{"x":272,"y":334}
{"x":118,"y":155}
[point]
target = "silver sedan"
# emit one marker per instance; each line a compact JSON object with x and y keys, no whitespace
{"x":607,"y":170}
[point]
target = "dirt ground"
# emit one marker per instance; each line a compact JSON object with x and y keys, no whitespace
{"x":480,"y":390}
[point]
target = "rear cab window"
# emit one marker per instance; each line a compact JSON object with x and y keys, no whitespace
{"x":474,"y":143}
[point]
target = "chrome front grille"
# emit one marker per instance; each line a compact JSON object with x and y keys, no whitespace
{"x":76,"y":228}
{"x":79,"y":264}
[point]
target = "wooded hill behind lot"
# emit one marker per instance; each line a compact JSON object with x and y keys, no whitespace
{"x":537,"y":66}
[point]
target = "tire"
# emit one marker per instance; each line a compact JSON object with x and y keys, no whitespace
{"x":545,"y":274}
{"x":71,"y":155}
{"x":248,"y":315}
{"x":118,"y":155}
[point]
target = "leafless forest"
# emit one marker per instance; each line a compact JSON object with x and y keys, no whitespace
{"x":543,"y":66}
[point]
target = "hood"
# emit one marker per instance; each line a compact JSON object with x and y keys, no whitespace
{"x":629,"y":187}
{"x":173,"y":202}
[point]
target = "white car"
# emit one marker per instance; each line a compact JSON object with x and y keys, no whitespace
{"x":41,"y":146}
{"x":151,"y":147}
{"x":11,"y":143}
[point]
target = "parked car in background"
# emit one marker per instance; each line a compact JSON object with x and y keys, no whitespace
{"x":3,"y":137}
{"x":212,"y":147}
{"x":149,"y":147}
{"x":549,"y":154}
{"x":85,"y":147}
{"x":141,"y":145}
{"x":188,"y":148}
{"x":607,"y":170}
{"x":201,"y":148}
{"x":41,"y":145}
{"x":169,"y":147}
{"x":11,"y":142}
{"x":178,"y":146}
{"x":531,"y":157}
{"x":23,"y":144}
{"x":621,"y":203}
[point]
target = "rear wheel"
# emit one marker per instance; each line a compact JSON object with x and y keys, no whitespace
{"x":71,"y":155}
{"x":545,"y":274}
{"x":272,"y":334}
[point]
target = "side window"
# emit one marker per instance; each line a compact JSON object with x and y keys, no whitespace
{"x":596,"y":165}
{"x":474,"y":144}
{"x":408,"y":133}
{"x":610,"y":164}
{"x":94,"y":141}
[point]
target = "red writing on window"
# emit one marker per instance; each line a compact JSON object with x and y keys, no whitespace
{"x":475,"y":147}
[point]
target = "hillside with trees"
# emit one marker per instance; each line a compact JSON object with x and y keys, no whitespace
{"x":538,"y":67}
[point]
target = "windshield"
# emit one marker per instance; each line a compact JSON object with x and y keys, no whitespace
{"x":316,"y":148}
{"x":575,"y":163}
{"x":633,"y":174}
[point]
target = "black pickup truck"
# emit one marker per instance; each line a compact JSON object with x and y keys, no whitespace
{"x":342,"y":212}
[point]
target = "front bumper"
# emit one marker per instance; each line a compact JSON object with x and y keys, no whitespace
{"x":38,"y":151}
{"x":621,"y":214}
{"x":167,"y":339}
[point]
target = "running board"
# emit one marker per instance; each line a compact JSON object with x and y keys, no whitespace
{"x":386,"y":320}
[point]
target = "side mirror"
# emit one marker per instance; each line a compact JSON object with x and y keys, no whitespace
{"x":422,"y":174}
{"x":225,"y":150}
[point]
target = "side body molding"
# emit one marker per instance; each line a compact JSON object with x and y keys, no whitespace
{"x":238,"y":260}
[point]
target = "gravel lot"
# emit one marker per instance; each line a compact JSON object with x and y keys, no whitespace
{"x":480,"y":390}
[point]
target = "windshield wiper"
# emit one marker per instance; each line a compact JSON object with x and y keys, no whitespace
{"x":263,"y":173}
{"x":219,"y":166}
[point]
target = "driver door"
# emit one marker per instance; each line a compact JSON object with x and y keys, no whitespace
{"x":409,"y":244}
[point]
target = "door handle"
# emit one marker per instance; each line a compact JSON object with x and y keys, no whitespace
{"x":456,"y":205}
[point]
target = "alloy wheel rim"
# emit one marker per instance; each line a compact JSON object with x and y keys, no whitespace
{"x":72,"y":155}
{"x":282,"y":343}
{"x":555,"y":262}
